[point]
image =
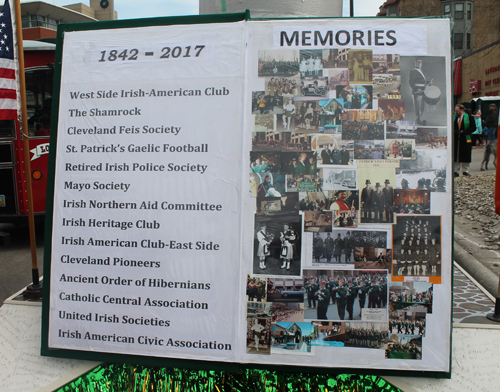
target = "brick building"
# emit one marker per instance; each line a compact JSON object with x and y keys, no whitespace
{"x":476,"y":40}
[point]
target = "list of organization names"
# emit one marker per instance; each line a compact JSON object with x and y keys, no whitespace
{"x":115,"y":242}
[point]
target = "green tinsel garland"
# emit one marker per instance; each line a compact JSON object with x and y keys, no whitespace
{"x":131,"y":378}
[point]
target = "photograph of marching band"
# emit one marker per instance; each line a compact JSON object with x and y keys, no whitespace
{"x":426,"y":171}
{"x":431,"y":138}
{"x":347,"y":291}
{"x":292,"y":338}
{"x":277,"y":245}
{"x":363,"y":125}
{"x":410,"y":297}
{"x":376,"y":199}
{"x":259,"y":336}
{"x":372,"y":258}
{"x":423,"y":89}
{"x":417,"y":246}
{"x":327,"y":333}
{"x":404,"y":347}
{"x":366,"y":335}
{"x":284,"y":63}
{"x":412,"y":201}
{"x":407,"y":323}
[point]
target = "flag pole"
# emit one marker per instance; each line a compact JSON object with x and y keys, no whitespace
{"x":35,"y":289}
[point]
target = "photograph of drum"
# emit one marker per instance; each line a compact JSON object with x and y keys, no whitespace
{"x":422,"y":88}
{"x":432,"y":95}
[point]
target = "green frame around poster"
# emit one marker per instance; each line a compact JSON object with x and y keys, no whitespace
{"x":161,"y":361}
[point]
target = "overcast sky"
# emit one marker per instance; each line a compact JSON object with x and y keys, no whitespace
{"x":131,"y":9}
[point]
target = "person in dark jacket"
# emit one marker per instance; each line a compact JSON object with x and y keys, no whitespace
{"x":463,"y":126}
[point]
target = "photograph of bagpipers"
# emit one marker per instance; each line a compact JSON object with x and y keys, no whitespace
{"x":366,"y":335}
{"x":407,"y":323}
{"x":277,"y":245}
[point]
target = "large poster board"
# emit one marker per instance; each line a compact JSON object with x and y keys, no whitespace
{"x":255,"y":192}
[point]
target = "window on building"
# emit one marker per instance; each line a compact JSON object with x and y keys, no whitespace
{"x":468,"y":40}
{"x":447,"y":9}
{"x":458,"y":41}
{"x":25,"y":21}
{"x":469,"y":11}
{"x":459,"y":11}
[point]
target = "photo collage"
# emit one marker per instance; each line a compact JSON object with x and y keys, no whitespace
{"x":349,"y":150}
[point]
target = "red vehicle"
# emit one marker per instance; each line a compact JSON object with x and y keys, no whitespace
{"x":39,"y":74}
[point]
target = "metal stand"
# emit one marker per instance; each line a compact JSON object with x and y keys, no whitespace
{"x":495,"y":316}
{"x":33,"y":291}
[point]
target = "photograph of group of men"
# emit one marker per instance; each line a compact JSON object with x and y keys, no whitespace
{"x":417,"y":247}
{"x":411,"y":297}
{"x":349,"y":291}
{"x":377,"y":200}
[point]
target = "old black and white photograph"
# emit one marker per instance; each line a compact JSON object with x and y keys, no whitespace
{"x":377,"y":194}
{"x":423,"y":88}
{"x":285,"y":120}
{"x":318,"y":221}
{"x":264,"y":122}
{"x":427,"y":170}
{"x":338,"y":77}
{"x":283,"y":63}
{"x":307,"y":115}
{"x":339,"y":178}
{"x":311,"y":63}
{"x":277,"y":245}
{"x":333,"y":249}
{"x":286,"y":204}
{"x":258,"y":336}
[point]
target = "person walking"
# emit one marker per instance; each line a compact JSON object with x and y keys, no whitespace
{"x":463,"y":126}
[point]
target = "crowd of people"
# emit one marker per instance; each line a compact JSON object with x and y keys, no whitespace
{"x":278,"y":67}
{"x":365,"y":337}
{"x":414,"y":351}
{"x":277,"y":87}
{"x":362,"y":130}
{"x":399,"y":149}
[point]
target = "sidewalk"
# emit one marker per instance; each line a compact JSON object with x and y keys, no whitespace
{"x":474,"y":366}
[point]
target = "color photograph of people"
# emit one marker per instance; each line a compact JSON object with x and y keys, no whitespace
{"x":267,"y":184}
{"x":431,"y":138}
{"x":355,"y":96}
{"x":366,"y":335}
{"x":369,"y":149}
{"x":360,"y":66}
{"x":287,"y":312}
{"x":399,"y":149}
{"x":277,"y":245}
{"x":327,"y":333}
{"x":392,"y":109}
{"x":278,"y":63}
{"x":411,"y":297}
{"x":342,"y":294}
{"x":256,"y":289}
{"x":261,"y":162}
{"x":407,"y":323}
{"x":291,"y":338}
{"x":265,"y":104}
{"x":404,"y":347}
{"x":377,"y":196}
{"x":267,"y":141}
{"x":332,"y":151}
{"x":258,"y":336}
{"x":412,"y":201}
{"x":372,"y":258}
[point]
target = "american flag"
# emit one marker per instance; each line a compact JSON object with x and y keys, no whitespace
{"x":8,"y":85}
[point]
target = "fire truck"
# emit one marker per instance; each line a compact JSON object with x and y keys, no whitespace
{"x":39,"y":73}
